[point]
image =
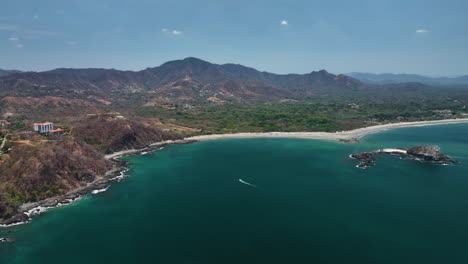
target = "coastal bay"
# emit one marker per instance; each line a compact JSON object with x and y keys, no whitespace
{"x":344,"y":136}
{"x":120,"y":167}
{"x":306,"y":202}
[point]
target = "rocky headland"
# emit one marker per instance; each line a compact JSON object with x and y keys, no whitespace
{"x":24,"y":212}
{"x":38,"y":172}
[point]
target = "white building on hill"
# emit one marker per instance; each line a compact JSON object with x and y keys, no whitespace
{"x":43,"y":127}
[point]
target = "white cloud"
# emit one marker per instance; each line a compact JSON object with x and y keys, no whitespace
{"x":20,"y":45}
{"x":422,"y":31}
{"x":13,"y":39}
{"x":284,"y":22}
{"x":71,"y":43}
{"x":171,"y":31}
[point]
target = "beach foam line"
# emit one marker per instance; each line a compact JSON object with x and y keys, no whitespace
{"x":334,"y":136}
{"x":100,"y":190}
{"x":42,"y":209}
{"x":121,"y":176}
{"x":15,"y":224}
{"x":37,"y":211}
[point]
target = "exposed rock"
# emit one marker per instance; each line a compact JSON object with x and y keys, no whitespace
{"x":17,"y":218}
{"x":431,"y":154}
{"x":352,"y":140}
{"x":87,"y":177}
{"x":428,"y":153}
{"x":7,"y":240}
{"x":366,"y":158}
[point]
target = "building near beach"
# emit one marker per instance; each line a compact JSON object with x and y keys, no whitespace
{"x":43,"y":127}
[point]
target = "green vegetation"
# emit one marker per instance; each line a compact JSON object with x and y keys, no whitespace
{"x":17,"y":122}
{"x":306,"y":116}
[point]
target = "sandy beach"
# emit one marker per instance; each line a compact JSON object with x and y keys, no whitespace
{"x":336,"y":136}
{"x":152,"y":147}
{"x":117,"y":172}
{"x":350,"y":135}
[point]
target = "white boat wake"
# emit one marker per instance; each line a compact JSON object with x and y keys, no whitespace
{"x":249,"y":184}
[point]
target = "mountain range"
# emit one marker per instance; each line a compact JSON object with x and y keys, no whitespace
{"x":388,"y":78}
{"x":190,"y":79}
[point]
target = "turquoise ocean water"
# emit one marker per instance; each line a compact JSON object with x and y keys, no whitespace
{"x":266,"y":201}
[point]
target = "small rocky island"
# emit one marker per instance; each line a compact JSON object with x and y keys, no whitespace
{"x":7,"y":240}
{"x":431,"y":154}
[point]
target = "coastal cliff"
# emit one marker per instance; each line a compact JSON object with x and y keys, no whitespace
{"x":46,"y":169}
{"x":36,"y":167}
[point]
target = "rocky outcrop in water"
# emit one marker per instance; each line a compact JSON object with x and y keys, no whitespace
{"x":7,"y":240}
{"x":431,"y":154}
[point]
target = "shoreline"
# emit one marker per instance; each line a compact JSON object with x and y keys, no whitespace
{"x":347,"y":136}
{"x":344,"y":136}
{"x":152,"y":147}
{"x":119,"y":167}
{"x":26,"y":211}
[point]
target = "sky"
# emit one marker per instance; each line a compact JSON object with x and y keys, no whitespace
{"x":297,"y":36}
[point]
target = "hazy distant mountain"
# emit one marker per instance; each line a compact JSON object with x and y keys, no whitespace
{"x":7,"y":72}
{"x":388,"y":78}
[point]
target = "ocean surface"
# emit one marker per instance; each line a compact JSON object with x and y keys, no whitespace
{"x":266,"y":201}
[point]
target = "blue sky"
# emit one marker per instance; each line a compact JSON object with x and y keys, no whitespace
{"x":412,"y":36}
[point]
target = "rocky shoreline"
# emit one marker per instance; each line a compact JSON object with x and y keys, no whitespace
{"x":117,"y":173}
{"x":430,"y":154}
{"x":119,"y":167}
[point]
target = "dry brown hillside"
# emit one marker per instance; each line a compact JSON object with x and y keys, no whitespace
{"x":49,"y":107}
{"x":37,"y":166}
{"x":47,"y":168}
{"x":109,"y":134}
